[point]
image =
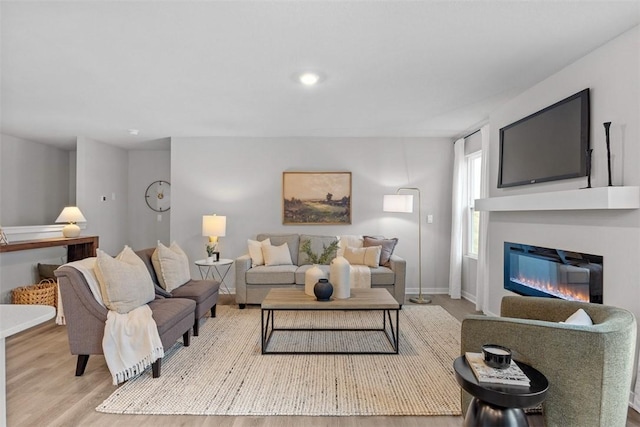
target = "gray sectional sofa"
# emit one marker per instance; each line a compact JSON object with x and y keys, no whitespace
{"x":253,"y":283}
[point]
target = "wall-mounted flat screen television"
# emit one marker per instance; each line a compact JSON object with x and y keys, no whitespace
{"x":548,"y":145}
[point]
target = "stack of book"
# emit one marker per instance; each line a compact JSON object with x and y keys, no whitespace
{"x":511,"y":375}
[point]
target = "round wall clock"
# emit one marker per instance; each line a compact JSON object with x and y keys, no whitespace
{"x":158,"y":196}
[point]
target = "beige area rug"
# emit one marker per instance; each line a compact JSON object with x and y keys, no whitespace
{"x":223,"y":371}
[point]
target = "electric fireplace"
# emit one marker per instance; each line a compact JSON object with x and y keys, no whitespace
{"x":555,"y":273}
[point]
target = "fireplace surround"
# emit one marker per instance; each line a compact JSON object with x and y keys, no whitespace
{"x":555,"y":273}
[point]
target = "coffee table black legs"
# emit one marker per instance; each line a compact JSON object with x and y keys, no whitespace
{"x":483,"y":414}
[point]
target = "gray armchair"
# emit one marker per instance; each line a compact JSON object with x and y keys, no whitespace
{"x":86,"y":318}
{"x":589,"y":368}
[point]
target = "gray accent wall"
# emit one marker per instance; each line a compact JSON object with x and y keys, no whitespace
{"x":242,"y":179}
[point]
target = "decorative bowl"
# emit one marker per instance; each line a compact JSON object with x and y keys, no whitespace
{"x":496,"y":356}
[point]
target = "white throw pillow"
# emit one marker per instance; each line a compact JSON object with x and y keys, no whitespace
{"x":125,"y":282}
{"x":351,"y":240}
{"x":363,"y":256}
{"x":277,"y":255}
{"x":580,"y":317}
{"x":171,"y":265}
{"x":255,"y":251}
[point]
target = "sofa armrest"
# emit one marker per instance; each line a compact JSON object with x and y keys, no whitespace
{"x":85,"y":317}
{"x":242,"y":265}
{"x":399,"y":267}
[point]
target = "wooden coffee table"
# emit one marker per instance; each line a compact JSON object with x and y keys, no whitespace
{"x":288,"y":299}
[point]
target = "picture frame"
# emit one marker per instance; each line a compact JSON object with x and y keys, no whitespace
{"x":316,"y":198}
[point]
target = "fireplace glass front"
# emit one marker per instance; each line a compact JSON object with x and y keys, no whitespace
{"x":537,"y":271}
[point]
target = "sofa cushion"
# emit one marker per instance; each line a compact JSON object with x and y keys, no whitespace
{"x":171,"y":265}
{"x":277,"y":255}
{"x":318,"y":246}
{"x":124,"y":281}
{"x":255,"y":251}
{"x":275,"y":275}
{"x":169,"y":312}
{"x":292,"y":240}
{"x":387,"y":247}
{"x":363,"y":256}
{"x":382,"y":276}
{"x":197,"y":290}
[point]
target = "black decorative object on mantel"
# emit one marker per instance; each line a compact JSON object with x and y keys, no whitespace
{"x":323,"y":290}
{"x":607,"y":125}
{"x":589,"y":153}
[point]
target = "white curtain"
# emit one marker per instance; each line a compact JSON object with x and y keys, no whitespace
{"x":482,"y":281}
{"x":458,"y":212}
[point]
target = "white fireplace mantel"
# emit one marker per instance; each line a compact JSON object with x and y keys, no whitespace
{"x":582,"y":199}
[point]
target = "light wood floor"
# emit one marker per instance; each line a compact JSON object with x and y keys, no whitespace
{"x":43,"y":391}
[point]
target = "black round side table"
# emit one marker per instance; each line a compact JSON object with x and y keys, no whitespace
{"x":499,"y":404}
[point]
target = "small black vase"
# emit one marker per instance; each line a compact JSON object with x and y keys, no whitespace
{"x":323,"y":290}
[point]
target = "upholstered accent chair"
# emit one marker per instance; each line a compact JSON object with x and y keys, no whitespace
{"x":589,"y":368}
{"x":86,"y":318}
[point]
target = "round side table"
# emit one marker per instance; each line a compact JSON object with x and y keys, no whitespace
{"x":499,"y":404}
{"x":219,"y":268}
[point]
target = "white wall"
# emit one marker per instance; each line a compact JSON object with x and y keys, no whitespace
{"x":146,"y":227}
{"x":34,"y":182}
{"x":612,"y":73}
{"x":102,"y":170}
{"x":242,"y":179}
{"x":34,"y":187}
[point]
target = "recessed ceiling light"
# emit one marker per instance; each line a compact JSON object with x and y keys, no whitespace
{"x":133,"y":131}
{"x":309,"y":79}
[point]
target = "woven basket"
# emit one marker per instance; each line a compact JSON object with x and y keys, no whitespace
{"x":43,"y":293}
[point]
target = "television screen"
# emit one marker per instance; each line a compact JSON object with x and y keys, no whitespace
{"x":548,"y":145}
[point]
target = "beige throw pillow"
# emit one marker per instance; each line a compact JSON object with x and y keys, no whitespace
{"x":255,"y":251}
{"x":363,"y":256}
{"x":277,"y":255}
{"x":171,"y":265}
{"x":125,"y":282}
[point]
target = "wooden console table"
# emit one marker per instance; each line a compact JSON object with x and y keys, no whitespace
{"x":77,"y":247}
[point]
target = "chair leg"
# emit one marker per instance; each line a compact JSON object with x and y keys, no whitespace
{"x":213,"y":311}
{"x":196,"y":328}
{"x":186,"y":338}
{"x":81,"y":364}
{"x":155,"y":367}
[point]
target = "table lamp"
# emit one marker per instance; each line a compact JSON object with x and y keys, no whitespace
{"x":71,"y":215}
{"x":213,"y":226}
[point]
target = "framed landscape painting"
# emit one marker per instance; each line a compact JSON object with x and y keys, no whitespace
{"x":316,"y":198}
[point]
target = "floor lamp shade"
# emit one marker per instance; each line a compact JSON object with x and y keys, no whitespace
{"x":398,"y":203}
{"x":71,"y":215}
{"x":403,"y":203}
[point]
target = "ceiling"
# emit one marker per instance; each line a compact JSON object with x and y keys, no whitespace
{"x":225,"y":68}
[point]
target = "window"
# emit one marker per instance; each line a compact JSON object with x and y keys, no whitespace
{"x":474,"y":167}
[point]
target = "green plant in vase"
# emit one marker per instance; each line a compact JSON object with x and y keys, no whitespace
{"x":328,"y":252}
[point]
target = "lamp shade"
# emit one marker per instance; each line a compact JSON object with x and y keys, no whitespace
{"x":214,"y":225}
{"x":71,"y":215}
{"x":398,"y":203}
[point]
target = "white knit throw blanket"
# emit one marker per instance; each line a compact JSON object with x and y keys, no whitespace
{"x":131,"y":342}
{"x":360,"y":276}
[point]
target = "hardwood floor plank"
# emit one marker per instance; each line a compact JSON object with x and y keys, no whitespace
{"x":42,"y":389}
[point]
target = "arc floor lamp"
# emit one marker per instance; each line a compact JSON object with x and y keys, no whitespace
{"x":403,"y":203}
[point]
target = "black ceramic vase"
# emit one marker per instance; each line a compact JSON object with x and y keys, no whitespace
{"x":323,"y":290}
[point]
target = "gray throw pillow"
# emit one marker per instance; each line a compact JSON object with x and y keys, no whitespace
{"x":388,"y":245}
